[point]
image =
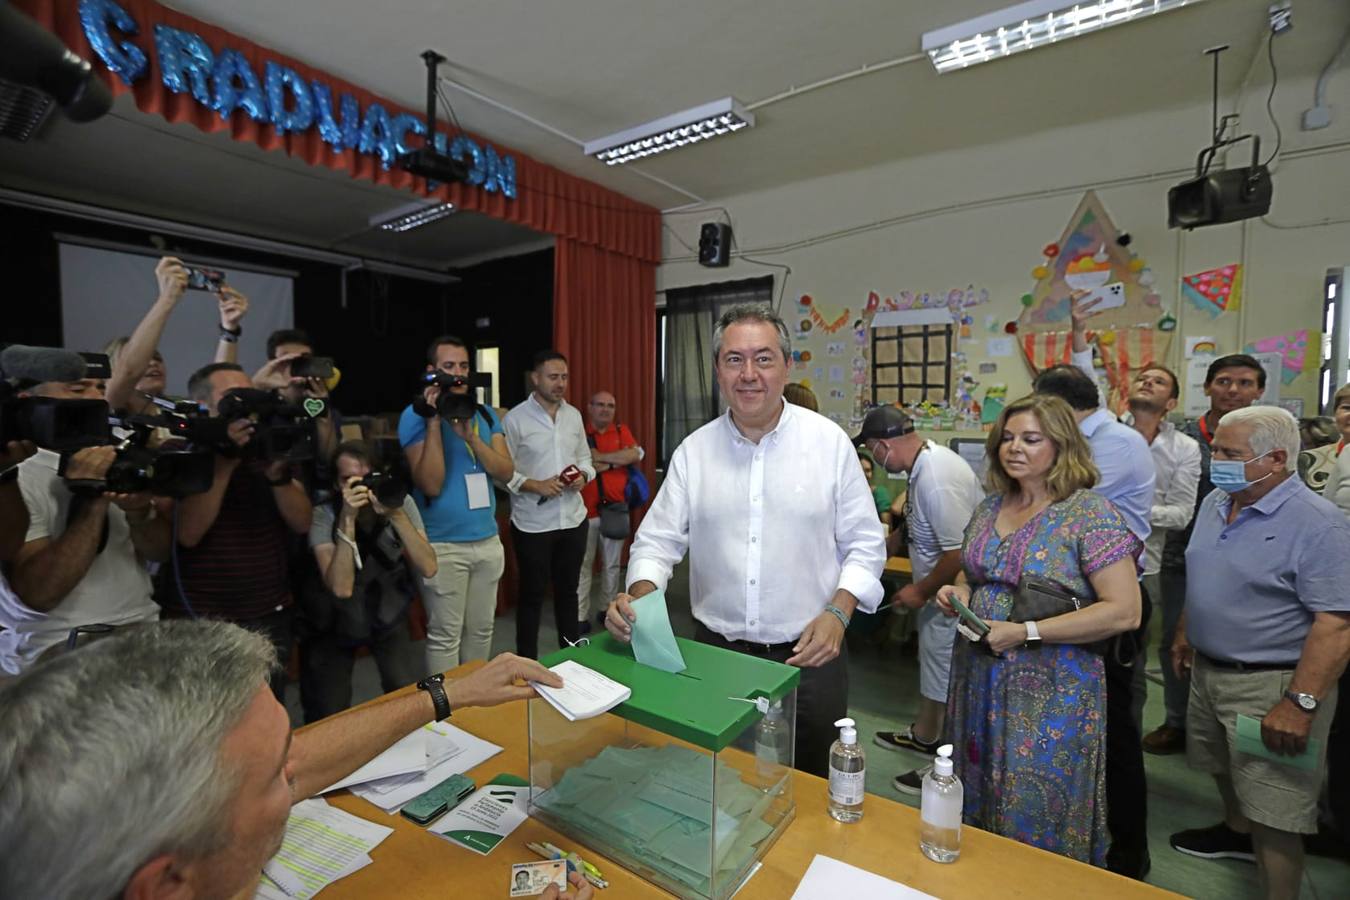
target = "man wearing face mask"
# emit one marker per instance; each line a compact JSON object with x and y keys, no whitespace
{"x":1266,"y":634}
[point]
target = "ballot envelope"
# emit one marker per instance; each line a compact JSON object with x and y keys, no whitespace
{"x":688,"y":782}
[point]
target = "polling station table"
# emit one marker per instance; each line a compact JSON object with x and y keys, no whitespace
{"x":415,"y":865}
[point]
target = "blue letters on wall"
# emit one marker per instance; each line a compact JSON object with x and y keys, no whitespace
{"x":225,"y":81}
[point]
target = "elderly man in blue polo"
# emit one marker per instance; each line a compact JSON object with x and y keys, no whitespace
{"x":1266,"y":633}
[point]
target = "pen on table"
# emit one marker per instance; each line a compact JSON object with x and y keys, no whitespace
{"x":588,"y":871}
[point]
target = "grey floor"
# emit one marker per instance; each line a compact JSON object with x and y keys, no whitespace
{"x":883,"y":692}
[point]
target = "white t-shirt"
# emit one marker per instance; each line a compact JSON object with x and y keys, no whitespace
{"x":115,"y":591}
{"x":943,"y":494}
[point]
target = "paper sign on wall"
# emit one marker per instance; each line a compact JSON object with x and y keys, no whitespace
{"x":995,"y":347}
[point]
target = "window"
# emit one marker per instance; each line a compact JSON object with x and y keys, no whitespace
{"x":911,"y":363}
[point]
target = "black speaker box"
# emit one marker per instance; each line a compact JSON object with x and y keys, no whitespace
{"x":714,"y":244}
{"x":1228,"y":195}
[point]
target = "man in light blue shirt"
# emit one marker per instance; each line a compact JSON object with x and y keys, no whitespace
{"x":1127,"y":478}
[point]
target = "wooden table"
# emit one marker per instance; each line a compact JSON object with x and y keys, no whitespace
{"x":413,"y":865}
{"x":899,"y":565}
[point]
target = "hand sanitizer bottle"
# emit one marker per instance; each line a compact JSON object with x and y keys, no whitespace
{"x":847,"y":770}
{"x":940,"y":810}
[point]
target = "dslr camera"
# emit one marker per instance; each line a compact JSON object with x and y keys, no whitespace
{"x":388,"y":487}
{"x":450,"y":404}
{"x":282,"y":430}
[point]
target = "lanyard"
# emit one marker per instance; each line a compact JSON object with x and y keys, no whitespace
{"x":1204,"y":430}
{"x":469,"y":447}
{"x":1340,"y":447}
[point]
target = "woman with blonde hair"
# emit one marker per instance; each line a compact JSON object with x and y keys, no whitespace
{"x":1337,"y":488}
{"x":1049,"y":567}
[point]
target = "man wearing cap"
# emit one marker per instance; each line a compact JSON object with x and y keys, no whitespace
{"x":782,"y":534}
{"x":941,"y":497}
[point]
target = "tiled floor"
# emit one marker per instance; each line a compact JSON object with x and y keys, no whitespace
{"x":883,"y":697}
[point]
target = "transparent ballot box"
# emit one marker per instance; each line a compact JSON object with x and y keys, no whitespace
{"x":688,"y":782}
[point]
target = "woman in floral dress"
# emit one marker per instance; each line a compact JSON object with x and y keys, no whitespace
{"x":1028,"y":718}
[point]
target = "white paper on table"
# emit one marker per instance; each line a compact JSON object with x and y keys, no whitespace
{"x":322,"y":844}
{"x":457,"y":752}
{"x":407,"y":756}
{"x":829,"y":879}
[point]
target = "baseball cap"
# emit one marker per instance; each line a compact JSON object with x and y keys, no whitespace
{"x":882,"y":423}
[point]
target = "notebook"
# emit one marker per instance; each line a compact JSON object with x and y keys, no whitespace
{"x":585,"y":692}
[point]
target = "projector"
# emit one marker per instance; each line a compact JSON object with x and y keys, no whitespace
{"x":1228,"y":195}
{"x":434,"y":166}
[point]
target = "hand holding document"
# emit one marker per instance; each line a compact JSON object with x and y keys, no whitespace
{"x":585,"y":692}
{"x":653,"y":638}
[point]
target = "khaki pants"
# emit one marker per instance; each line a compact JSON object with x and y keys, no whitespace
{"x":461,"y":602}
{"x":611,"y":554}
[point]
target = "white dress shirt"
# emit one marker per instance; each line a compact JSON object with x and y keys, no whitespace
{"x":1176,"y":460}
{"x":541,"y":447}
{"x":772,"y":529}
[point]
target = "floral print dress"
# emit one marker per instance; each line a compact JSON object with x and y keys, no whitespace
{"x":1029,"y":728}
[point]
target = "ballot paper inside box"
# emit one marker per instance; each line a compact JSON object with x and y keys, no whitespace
{"x":687,"y":783}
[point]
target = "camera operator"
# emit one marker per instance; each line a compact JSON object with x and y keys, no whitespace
{"x":84,"y":554}
{"x":367,"y":553}
{"x":138,"y":371}
{"x":284,"y":347}
{"x":453,"y":460}
{"x":230,"y":561}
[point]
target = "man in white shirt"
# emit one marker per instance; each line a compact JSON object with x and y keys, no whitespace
{"x":547,"y":442}
{"x":782,"y":533}
{"x":940,"y":498}
{"x":83,"y":558}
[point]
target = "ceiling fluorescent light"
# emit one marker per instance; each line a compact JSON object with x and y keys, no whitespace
{"x":670,"y":132}
{"x":1030,"y":25}
{"x":411,"y":216}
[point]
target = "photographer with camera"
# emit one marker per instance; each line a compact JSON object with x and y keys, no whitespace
{"x":298,"y":375}
{"x":368,"y":543}
{"x":84,"y":553}
{"x":455,"y":448}
{"x":138,"y":372}
{"x":230,"y":559}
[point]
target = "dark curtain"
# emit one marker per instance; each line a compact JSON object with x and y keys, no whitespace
{"x":690,"y":398}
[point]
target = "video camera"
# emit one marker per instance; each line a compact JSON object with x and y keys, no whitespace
{"x":450,"y":404}
{"x":282,"y":430}
{"x":388,"y":487}
{"x":55,"y":424}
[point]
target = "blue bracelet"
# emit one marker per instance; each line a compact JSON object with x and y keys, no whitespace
{"x":838,"y":614}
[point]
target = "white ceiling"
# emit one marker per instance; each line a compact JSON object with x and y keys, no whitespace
{"x":592,"y":67}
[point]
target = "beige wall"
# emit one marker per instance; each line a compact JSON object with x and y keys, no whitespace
{"x":981,"y":215}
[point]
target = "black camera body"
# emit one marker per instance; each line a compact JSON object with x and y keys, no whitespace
{"x":54,"y":424}
{"x":164,"y":473}
{"x":388,"y":487}
{"x":282,"y":430}
{"x":450,"y":404}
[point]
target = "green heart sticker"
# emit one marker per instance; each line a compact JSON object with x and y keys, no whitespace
{"x":315,"y":407}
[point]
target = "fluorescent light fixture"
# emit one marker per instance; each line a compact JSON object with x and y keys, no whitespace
{"x":410,"y":216}
{"x":670,"y":132}
{"x":1026,"y":26}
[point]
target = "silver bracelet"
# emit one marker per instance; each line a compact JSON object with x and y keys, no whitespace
{"x":838,"y":614}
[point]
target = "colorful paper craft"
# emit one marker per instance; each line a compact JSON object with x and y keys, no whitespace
{"x":1293,"y":350}
{"x":1214,"y":291}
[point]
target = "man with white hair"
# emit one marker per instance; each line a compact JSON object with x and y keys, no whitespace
{"x":1266,"y":634}
{"x":156,"y":764}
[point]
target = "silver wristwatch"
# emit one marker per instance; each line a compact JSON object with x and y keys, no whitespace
{"x":1305,"y":702}
{"x":1033,"y":634}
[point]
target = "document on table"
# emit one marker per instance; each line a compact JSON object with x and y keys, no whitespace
{"x":585,"y":692}
{"x":408,"y":756}
{"x":321,"y":845}
{"x":486,"y":816}
{"x":653,"y":638}
{"x":828,"y":879}
{"x":448,"y":751}
{"x":1249,"y":742}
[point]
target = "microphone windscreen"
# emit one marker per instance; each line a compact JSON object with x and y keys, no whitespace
{"x":41,"y":363}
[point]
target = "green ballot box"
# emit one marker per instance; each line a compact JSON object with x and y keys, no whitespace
{"x":688,"y":782}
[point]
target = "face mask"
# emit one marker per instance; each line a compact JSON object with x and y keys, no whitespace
{"x":1230,"y":475}
{"x":881,"y":458}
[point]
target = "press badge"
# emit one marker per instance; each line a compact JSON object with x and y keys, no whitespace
{"x":478,"y":489}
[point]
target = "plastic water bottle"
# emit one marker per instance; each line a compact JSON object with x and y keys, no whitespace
{"x":940,"y":810}
{"x":771,"y":745}
{"x":848,"y":768}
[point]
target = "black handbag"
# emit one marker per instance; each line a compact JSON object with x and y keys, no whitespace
{"x":1038,"y":598}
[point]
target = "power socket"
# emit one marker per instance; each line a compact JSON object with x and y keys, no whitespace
{"x":1281,"y":16}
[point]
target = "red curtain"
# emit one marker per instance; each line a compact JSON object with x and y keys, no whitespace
{"x":604,"y":322}
{"x":547,"y":200}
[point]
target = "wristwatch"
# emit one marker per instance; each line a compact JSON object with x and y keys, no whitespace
{"x":1305,"y":702}
{"x":1033,"y":634}
{"x":435,"y":686}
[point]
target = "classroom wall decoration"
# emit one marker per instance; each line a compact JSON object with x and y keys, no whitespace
{"x":1214,"y":291}
{"x":1091,"y":255}
{"x":1292,"y":349}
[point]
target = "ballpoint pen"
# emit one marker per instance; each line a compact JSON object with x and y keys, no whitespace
{"x":588,"y":871}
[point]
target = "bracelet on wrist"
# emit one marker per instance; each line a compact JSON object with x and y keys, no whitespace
{"x":838,"y":614}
